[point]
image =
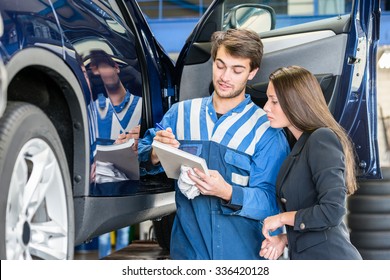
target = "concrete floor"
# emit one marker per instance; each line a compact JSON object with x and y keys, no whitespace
{"x":137,"y":250}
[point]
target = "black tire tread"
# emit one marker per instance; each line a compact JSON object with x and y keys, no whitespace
{"x":13,"y":112}
{"x":374,"y":187}
{"x":371,"y":239}
{"x":163,"y":229}
{"x":369,"y":222}
{"x":375,"y":254}
{"x":369,"y":204}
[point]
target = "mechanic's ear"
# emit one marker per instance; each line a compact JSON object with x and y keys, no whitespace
{"x":95,"y":70}
{"x":118,"y":70}
{"x":253,"y":73}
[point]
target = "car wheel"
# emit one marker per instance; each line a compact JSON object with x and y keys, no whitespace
{"x":37,"y":219}
{"x":163,"y":229}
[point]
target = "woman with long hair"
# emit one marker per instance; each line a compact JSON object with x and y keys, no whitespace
{"x":315,"y":179}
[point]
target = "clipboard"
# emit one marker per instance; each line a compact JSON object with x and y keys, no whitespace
{"x":172,"y":159}
{"x":121,"y":156}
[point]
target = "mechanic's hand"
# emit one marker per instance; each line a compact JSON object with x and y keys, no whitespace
{"x":212,"y":184}
{"x":271,"y":224}
{"x":166,"y":137}
{"x":131,"y":134}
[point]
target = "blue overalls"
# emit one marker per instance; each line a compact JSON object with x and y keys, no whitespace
{"x":248,"y":153}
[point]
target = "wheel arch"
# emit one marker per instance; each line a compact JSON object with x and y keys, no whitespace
{"x":59,"y":95}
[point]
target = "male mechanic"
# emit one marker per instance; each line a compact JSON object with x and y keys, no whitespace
{"x":220,"y":217}
{"x":121,"y":111}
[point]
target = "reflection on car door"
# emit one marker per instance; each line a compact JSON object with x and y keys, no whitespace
{"x":113,"y":76}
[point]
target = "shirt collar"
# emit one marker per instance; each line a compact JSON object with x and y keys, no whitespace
{"x":119,"y":108}
{"x":238,"y":109}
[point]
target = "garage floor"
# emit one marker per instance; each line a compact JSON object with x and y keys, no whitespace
{"x":137,"y":250}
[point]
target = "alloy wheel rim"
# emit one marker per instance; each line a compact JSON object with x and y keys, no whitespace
{"x":36,"y":213}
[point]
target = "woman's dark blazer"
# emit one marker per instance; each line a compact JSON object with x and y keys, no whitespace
{"x":311,"y":182}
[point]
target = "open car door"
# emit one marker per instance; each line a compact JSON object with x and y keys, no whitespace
{"x":338,"y":46}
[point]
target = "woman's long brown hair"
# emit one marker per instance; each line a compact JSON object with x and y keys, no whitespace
{"x":301,"y":99}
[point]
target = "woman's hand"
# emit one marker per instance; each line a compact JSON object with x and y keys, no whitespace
{"x":272,"y":248}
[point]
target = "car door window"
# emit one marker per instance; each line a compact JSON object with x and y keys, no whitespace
{"x":293,"y":12}
{"x":284,"y":9}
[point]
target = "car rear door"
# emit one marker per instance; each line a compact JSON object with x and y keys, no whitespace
{"x":336,"y":41}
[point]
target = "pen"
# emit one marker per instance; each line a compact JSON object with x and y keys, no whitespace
{"x":159,"y":126}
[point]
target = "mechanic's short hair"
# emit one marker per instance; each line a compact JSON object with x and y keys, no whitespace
{"x":241,"y":43}
{"x":99,"y":56}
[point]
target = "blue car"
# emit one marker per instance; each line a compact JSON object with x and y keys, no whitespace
{"x":81,"y":81}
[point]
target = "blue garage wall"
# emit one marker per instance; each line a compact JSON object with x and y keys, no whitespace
{"x":172,"y":33}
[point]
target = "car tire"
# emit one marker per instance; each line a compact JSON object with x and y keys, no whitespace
{"x":375,"y":204}
{"x":371,"y":239}
{"x":369,"y":217}
{"x":369,"y":222}
{"x":375,"y":254}
{"x":163,"y":230}
{"x":375,"y":187}
{"x":37,"y":220}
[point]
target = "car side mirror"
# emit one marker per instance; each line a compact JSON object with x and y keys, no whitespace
{"x":260,"y":18}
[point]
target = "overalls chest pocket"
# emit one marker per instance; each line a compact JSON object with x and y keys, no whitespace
{"x":238,"y":167}
{"x":196,"y":148}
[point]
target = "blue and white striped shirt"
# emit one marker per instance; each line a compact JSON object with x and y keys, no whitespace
{"x":240,"y":129}
{"x":114,"y":120}
{"x":248,"y":153}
